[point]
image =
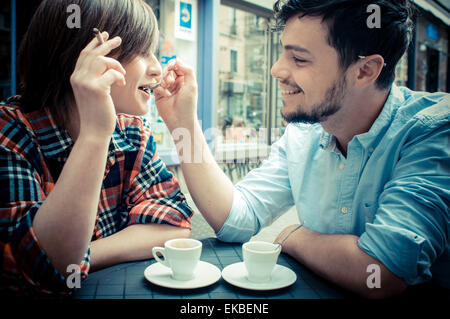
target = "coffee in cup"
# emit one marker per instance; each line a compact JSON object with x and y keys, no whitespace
{"x":181,"y":255}
{"x":260,"y":259}
{"x":182,"y":244}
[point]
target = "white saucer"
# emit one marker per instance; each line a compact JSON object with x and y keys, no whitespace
{"x":206,"y":274}
{"x":236,"y":274}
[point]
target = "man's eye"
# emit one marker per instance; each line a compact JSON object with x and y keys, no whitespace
{"x":297,"y":60}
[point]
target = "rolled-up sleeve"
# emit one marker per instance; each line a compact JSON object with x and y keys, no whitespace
{"x":263,"y":195}
{"x":25,"y":265}
{"x":410,"y":230}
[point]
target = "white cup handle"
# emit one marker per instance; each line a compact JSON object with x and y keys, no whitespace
{"x":161,"y":251}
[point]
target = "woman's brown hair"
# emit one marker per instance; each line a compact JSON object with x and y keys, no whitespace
{"x":50,"y":47}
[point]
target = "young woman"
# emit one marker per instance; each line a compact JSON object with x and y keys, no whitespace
{"x":80,"y":179}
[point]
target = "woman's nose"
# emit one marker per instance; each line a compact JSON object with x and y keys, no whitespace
{"x":154,"y":67}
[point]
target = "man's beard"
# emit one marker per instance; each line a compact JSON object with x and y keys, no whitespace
{"x":321,"y":111}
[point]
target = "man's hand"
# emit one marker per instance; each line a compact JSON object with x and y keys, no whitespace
{"x":176,"y":97}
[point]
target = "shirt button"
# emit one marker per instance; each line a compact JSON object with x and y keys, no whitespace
{"x":344,"y":210}
{"x":371,"y":149}
{"x":342,"y":166}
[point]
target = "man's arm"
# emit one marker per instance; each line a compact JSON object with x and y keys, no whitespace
{"x":209,"y":187}
{"x":338,"y":258}
{"x":255,"y":202}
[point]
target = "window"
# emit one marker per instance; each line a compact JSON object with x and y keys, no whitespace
{"x":233,"y":24}
{"x":233,"y":61}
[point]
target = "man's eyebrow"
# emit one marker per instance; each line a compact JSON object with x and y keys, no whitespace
{"x":295,"y":48}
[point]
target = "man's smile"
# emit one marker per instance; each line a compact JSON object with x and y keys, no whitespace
{"x":290,"y":92}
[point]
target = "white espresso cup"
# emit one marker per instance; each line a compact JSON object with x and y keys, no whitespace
{"x":260,"y":259}
{"x":181,"y":255}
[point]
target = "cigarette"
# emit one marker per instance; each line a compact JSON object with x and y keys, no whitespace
{"x":98,"y":35}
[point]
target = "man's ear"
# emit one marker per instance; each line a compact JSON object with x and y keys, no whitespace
{"x":368,"y":70}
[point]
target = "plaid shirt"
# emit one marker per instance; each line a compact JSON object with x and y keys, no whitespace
{"x":137,"y":189}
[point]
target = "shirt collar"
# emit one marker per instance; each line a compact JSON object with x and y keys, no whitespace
{"x":120,"y":142}
{"x":384,"y":119}
{"x":327,"y":141}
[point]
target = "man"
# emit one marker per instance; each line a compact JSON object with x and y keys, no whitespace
{"x":366,"y":163}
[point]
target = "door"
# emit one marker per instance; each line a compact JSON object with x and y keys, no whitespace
{"x":432,"y":79}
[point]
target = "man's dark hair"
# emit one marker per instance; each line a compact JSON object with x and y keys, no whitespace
{"x":349,"y":32}
{"x":50,"y":48}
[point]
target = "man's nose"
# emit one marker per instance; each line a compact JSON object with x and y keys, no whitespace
{"x":279,"y":71}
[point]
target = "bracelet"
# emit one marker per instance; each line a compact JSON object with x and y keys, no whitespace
{"x":290,"y":233}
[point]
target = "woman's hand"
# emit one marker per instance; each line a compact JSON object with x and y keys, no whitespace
{"x":176,"y":97}
{"x":134,"y":242}
{"x":91,"y":82}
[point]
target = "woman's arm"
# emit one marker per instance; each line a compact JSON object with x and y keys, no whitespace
{"x":135,"y":242}
{"x":65,"y":221}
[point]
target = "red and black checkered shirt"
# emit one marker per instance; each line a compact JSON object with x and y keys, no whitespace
{"x":137,"y":189}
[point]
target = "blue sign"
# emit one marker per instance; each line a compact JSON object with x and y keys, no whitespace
{"x":185,"y":15}
{"x":432,"y":32}
{"x":165,"y":59}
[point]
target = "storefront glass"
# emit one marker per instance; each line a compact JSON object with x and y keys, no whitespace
{"x":175,"y":41}
{"x":401,"y":71}
{"x":432,"y":55}
{"x":278,"y":123}
{"x":241,"y":110}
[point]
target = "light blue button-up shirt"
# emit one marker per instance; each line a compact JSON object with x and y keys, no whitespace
{"x":392,"y":190}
